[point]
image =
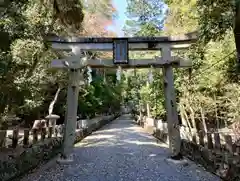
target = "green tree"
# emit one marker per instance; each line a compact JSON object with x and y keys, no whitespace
{"x":207,"y":94}
{"x":27,"y":84}
{"x":145,"y":17}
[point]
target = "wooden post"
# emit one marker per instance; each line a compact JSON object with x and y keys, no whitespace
{"x":15,"y":137}
{"x":209,"y":141}
{"x":50,"y":131}
{"x":201,"y":135}
{"x":217,"y":142}
{"x":61,"y":127}
{"x":77,"y":127}
{"x":194,"y":135}
{"x":148,"y":106}
{"x":140,"y":115}
{"x":35,"y":135}
{"x":3,"y":134}
{"x":79,"y":124}
{"x":228,"y":143}
{"x":26,"y":137}
{"x":170,"y":104}
{"x":56,"y":132}
{"x":43,"y":133}
{"x":237,"y":150}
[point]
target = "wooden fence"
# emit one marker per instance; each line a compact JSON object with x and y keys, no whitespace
{"x":212,"y":140}
{"x":26,"y":136}
{"x":221,"y":141}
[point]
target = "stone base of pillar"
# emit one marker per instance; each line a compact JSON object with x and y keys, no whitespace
{"x":62,"y":160}
{"x":179,"y":156}
{"x":182,"y":161}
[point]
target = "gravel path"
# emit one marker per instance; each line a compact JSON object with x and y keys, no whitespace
{"x":121,"y":151}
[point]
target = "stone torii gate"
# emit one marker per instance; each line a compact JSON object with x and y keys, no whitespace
{"x":120,"y":48}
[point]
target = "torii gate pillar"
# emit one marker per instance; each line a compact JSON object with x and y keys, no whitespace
{"x":170,"y":105}
{"x":75,"y":76}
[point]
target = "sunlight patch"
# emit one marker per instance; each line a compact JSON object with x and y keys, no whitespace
{"x":97,"y":144}
{"x":99,"y":136}
{"x":152,"y":155}
{"x":109,"y":130}
{"x":145,"y":143}
{"x":93,"y":144}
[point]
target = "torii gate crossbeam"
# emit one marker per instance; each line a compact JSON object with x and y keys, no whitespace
{"x":134,"y":43}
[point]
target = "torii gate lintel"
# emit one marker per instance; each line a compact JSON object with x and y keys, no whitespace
{"x":134,"y":43}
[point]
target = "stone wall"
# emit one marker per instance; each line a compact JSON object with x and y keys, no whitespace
{"x":217,"y":156}
{"x":22,"y":160}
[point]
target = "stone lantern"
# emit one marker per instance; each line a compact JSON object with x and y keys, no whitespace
{"x":52,"y":119}
{"x":84,"y":123}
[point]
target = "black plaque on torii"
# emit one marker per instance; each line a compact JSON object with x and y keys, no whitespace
{"x":120,"y":51}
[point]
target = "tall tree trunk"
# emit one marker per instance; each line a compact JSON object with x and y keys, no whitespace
{"x":185,"y":120}
{"x":50,"y":109}
{"x":216,"y":113}
{"x":203,"y":120}
{"x":236,"y":29}
{"x":193,"y":121}
{"x":192,"y":116}
{"x":184,"y":116}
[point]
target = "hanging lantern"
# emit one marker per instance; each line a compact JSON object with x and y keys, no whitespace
{"x":118,"y":73}
{"x":150,"y":76}
{"x":89,"y":73}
